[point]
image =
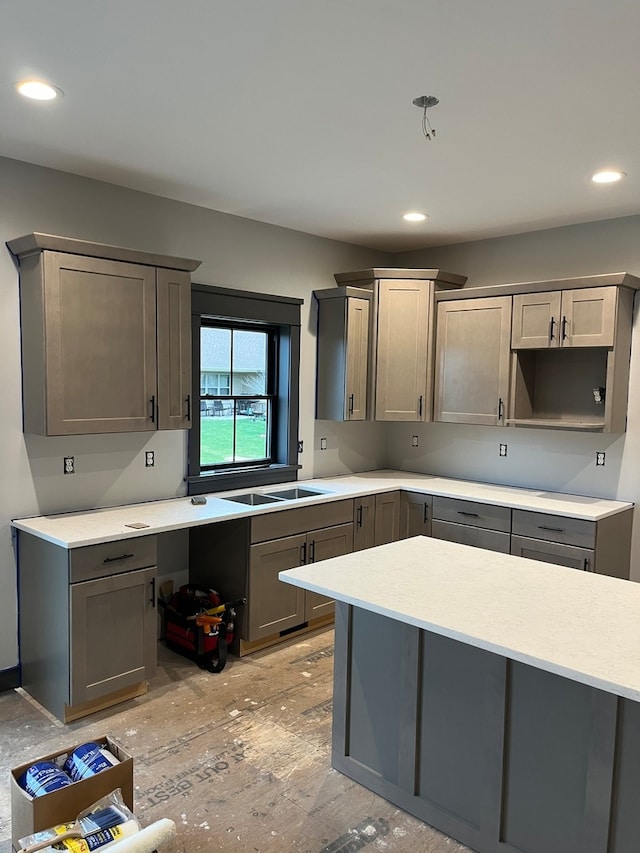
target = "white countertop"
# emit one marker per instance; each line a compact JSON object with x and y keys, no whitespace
{"x":91,"y":527}
{"x":582,"y":626}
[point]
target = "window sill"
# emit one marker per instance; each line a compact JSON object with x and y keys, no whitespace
{"x":220,"y":481}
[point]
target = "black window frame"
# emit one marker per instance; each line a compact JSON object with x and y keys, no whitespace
{"x":273,"y":334}
{"x":282,"y":314}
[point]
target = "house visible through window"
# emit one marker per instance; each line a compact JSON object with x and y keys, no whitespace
{"x":237,"y":381}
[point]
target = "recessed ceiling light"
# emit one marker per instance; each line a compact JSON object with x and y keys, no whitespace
{"x":38,"y":90}
{"x":608,"y":176}
{"x":415,"y":217}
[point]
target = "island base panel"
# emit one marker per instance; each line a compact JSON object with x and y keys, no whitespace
{"x":502,"y":756}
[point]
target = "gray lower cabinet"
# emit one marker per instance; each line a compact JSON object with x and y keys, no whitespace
{"x":472,"y":523}
{"x":376,"y":520}
{"x":364,"y":522}
{"x":387,"y":518}
{"x":88,"y":622}
{"x":304,"y":535}
{"x":594,"y":546}
{"x":415,"y":514}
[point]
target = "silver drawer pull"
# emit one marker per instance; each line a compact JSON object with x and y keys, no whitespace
{"x":116,"y":559}
{"x":553,"y":529}
{"x":470,"y":514}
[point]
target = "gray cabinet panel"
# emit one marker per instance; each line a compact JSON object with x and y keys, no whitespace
{"x":322,"y":545}
{"x":364,"y":523}
{"x":344,"y":317}
{"x":174,"y":349}
{"x":466,"y":535}
{"x":472,"y":513}
{"x":274,"y":525}
{"x":589,"y":317}
{"x":109,"y":558}
{"x":473,"y":354}
{"x":553,"y":552}
{"x":415,"y":514}
{"x":536,"y":320}
{"x":113,"y":634}
{"x":387,"y":518}
{"x":403,"y":365}
{"x":555,"y":528}
{"x":274,"y":606}
{"x":100,"y":328}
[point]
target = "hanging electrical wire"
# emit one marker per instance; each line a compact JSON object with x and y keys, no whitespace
{"x":424,"y":102}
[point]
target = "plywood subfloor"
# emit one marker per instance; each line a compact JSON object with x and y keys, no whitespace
{"x":239,"y":760}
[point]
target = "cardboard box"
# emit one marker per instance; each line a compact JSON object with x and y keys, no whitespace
{"x":32,"y":814}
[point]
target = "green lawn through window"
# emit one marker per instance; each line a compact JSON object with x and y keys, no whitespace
{"x":216,"y":440}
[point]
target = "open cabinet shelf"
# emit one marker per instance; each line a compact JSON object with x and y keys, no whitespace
{"x":562,"y":388}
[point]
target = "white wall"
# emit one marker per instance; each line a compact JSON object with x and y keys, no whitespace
{"x":547,"y":459}
{"x":235,"y":252}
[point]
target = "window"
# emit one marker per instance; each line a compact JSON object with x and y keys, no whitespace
{"x":245,"y":354}
{"x":238,"y":389}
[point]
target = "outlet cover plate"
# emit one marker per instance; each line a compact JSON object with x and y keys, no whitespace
{"x":149,"y":458}
{"x":69,"y":465}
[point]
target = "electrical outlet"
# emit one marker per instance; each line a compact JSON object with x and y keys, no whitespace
{"x":149,"y":458}
{"x":323,"y":444}
{"x":69,"y":465}
{"x":414,"y":441}
{"x":600,"y":457}
{"x":300,"y":446}
{"x":503,"y":450}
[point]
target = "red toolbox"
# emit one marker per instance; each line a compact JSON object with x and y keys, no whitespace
{"x":197,"y":623}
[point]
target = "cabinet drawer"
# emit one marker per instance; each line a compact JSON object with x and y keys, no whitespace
{"x":288,"y":522}
{"x":472,"y":513}
{"x":478,"y":537}
{"x":570,"y":556}
{"x":554,"y":528}
{"x":112,"y":558}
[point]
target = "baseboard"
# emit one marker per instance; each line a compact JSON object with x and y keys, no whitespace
{"x":9,"y":678}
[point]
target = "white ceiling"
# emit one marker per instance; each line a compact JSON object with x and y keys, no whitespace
{"x":300,"y":113}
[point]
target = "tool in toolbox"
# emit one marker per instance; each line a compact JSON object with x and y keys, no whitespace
{"x":198,"y":624}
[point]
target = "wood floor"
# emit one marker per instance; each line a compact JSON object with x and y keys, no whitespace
{"x":239,"y":760}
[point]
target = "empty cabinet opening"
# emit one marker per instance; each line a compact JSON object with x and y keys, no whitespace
{"x":565,"y":387}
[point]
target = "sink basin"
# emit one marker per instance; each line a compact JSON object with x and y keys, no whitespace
{"x":253,"y":499}
{"x":295,"y":494}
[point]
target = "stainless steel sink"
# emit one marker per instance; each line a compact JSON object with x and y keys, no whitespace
{"x":253,"y":499}
{"x":295,"y":493}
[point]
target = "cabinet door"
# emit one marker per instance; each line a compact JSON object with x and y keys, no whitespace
{"x":322,"y":545}
{"x":100,"y":345}
{"x":173,"y":289}
{"x":402,"y":361}
{"x":554,"y":552}
{"x":357,"y":355}
{"x":364,"y":523}
{"x":415,"y":515}
{"x":473,"y":340}
{"x":588,"y":317}
{"x":113,"y":629}
{"x":387,"y":518}
{"x":274,"y":606}
{"x":536,"y":320}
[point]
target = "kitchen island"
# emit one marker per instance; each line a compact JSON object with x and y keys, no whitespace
{"x":495,"y":697}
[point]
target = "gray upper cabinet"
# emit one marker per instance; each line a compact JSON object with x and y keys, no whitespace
{"x":344,"y":317}
{"x":572,"y":318}
{"x":473,"y":355}
{"x":403,"y":354}
{"x":105,"y":338}
{"x":398,"y":346}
